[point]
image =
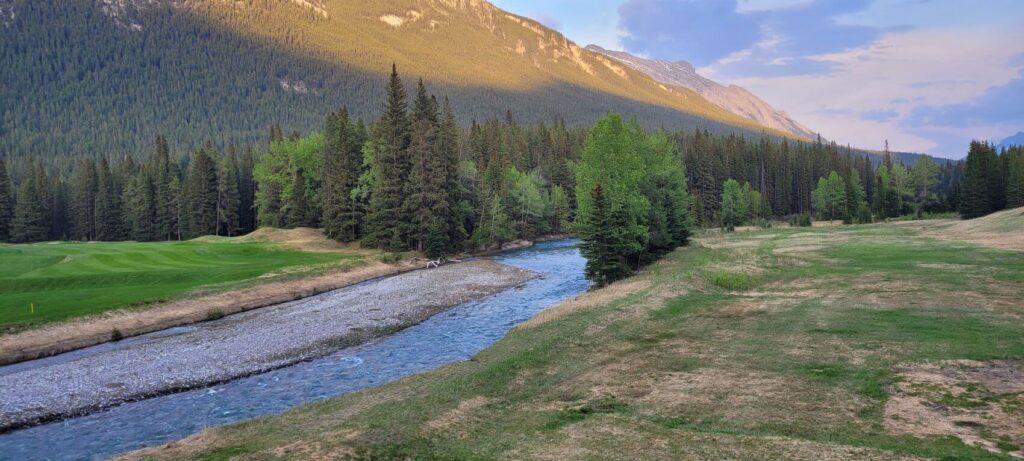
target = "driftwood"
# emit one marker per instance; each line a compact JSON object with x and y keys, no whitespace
{"x":438,"y":262}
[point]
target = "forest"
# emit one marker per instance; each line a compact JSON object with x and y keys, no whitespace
{"x":414,"y":179}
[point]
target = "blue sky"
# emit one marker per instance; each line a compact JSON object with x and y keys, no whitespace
{"x":928,"y":75}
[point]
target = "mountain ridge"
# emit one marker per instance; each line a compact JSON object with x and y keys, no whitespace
{"x":733,"y":98}
{"x":106,"y":76}
{"x":1013,"y":140}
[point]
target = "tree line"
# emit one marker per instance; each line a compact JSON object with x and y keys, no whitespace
{"x":414,"y":179}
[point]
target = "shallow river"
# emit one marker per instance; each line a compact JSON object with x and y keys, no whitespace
{"x":450,"y":336}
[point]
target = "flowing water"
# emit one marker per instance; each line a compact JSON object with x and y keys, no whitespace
{"x":453,"y":335}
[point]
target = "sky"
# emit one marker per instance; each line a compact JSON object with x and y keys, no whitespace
{"x":926,"y":75}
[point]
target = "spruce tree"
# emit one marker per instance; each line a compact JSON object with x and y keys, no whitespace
{"x":246,"y":191}
{"x":6,"y":202}
{"x":29,"y":221}
{"x":1014,"y":178}
{"x":602,"y":242}
{"x":343,"y":160}
{"x":227,"y":196}
{"x":108,"y":219}
{"x":140,"y":207}
{"x":83,"y":200}
{"x":199,"y":196}
{"x":975,"y":194}
{"x":387,"y":223}
{"x":426,"y":194}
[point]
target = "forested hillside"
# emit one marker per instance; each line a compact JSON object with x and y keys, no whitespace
{"x":104,"y":78}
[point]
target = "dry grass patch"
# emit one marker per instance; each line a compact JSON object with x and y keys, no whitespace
{"x":588,"y":300}
{"x":981,"y":403}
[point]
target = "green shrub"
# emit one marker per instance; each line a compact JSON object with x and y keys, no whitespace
{"x":215,"y":314}
{"x":116,"y":335}
{"x":390,"y":258}
{"x":733,"y":281}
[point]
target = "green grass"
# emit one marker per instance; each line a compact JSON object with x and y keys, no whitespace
{"x":798,"y":362}
{"x":66,"y":280}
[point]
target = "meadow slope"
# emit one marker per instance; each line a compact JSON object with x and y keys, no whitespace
{"x":855,"y":342}
{"x":56,"y":296}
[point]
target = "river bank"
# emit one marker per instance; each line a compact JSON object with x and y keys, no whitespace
{"x":240,"y":345}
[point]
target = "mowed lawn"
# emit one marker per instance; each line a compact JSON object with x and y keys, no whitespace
{"x":65,"y":280}
{"x":856,"y":342}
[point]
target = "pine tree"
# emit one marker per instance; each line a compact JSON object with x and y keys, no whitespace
{"x":108,"y":219}
{"x":29,"y":221}
{"x":246,"y":191}
{"x":387,"y":224}
{"x":426,"y":194}
{"x":602,"y":240}
{"x":227,"y":196}
{"x":975,"y":193}
{"x":140,"y":207}
{"x":1014,"y":178}
{"x":447,"y":156}
{"x":199,"y":196}
{"x":6,"y":202}
{"x":83,"y":200}
{"x":343,"y":159}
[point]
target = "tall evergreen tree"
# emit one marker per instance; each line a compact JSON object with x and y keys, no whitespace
{"x":199,"y":196}
{"x":387,"y":223}
{"x":228,"y":200}
{"x":108,"y":220}
{"x":343,"y":160}
{"x":975,"y":189}
{"x":426,"y":194}
{"x":604,"y":244}
{"x":83,"y":200}
{"x":6,"y":202}
{"x":140,"y":207}
{"x":1014,"y":178}
{"x":29,"y":221}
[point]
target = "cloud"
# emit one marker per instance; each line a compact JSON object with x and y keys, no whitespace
{"x":698,"y":31}
{"x":765,"y":42}
{"x":1000,"y":104}
{"x":879,"y":115}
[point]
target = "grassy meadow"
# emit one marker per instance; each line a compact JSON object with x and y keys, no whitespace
{"x":854,"y":342}
{"x":67,"y":280}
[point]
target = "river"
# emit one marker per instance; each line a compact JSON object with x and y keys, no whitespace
{"x":454,"y":335}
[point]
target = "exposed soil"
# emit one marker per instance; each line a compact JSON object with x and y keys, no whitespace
{"x":981,"y":403}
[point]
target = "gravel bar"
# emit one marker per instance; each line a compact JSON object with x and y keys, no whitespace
{"x":239,"y":345}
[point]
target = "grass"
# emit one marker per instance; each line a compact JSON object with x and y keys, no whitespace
{"x":50,"y":282}
{"x":797,"y":362}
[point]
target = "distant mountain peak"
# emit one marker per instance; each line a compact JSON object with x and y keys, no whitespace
{"x":1015,"y":140}
{"x":732,"y":98}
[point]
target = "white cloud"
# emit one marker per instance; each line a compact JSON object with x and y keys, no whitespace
{"x":900,"y":71}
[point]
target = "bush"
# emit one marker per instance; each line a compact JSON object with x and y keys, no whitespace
{"x":215,"y":314}
{"x":801,"y":220}
{"x":390,"y":258}
{"x":733,"y":281}
{"x":116,"y":335}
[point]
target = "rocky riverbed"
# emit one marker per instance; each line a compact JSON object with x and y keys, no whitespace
{"x":239,"y":345}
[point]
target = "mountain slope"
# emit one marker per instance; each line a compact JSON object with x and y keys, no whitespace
{"x":106,"y":76}
{"x":733,"y":98}
{"x":1015,"y":140}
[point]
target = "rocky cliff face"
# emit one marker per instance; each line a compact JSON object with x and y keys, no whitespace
{"x":733,"y":98}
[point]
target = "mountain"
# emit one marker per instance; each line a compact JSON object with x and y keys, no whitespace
{"x":106,"y":76}
{"x":1015,"y":140}
{"x":732,"y":98}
